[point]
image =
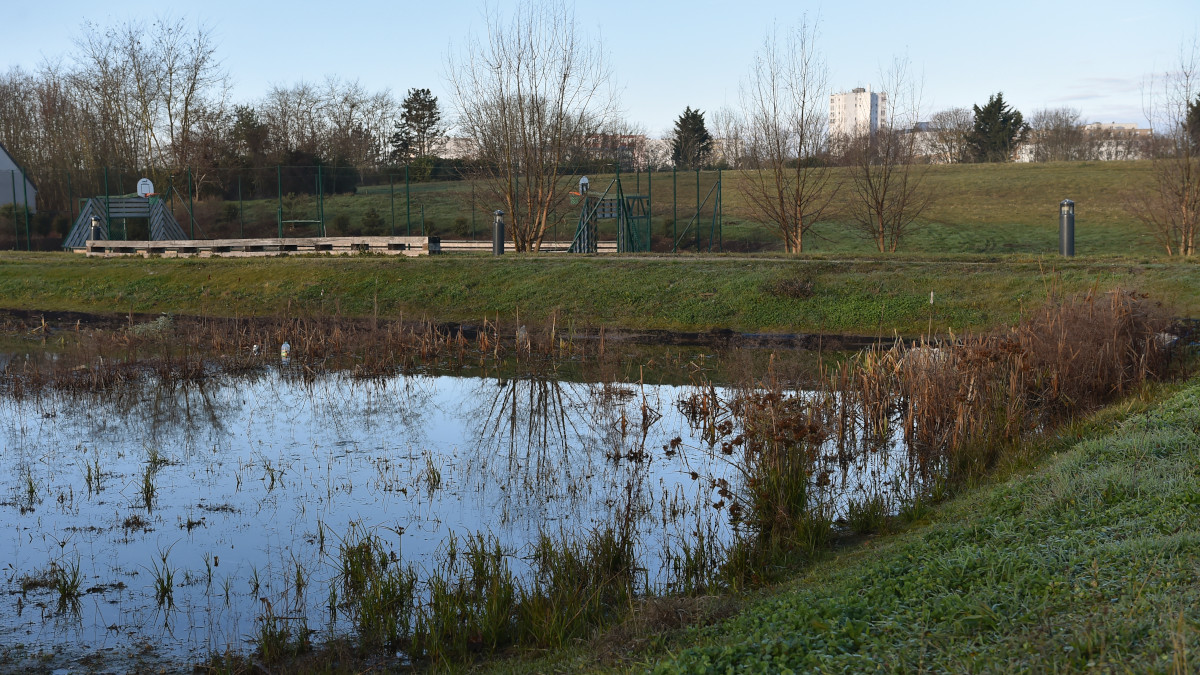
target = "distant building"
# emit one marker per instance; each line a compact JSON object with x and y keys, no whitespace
{"x":1100,"y":141}
{"x":1129,"y":129}
{"x":856,"y":112}
{"x":15,"y":185}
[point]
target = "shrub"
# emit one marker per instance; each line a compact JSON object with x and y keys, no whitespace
{"x":372,"y":222}
{"x":229,"y":213}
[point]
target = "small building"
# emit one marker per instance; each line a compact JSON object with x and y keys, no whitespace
{"x":15,"y":185}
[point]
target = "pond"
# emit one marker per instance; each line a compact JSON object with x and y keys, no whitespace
{"x":183,"y":512}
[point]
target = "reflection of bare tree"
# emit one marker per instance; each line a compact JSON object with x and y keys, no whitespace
{"x":348,"y":404}
{"x":156,"y":408}
{"x":541,"y":412}
{"x":531,"y":412}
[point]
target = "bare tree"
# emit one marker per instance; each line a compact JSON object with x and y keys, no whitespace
{"x":194,"y":85}
{"x":785,"y":102}
{"x":1170,"y":206}
{"x":1058,"y":135}
{"x":730,"y":150}
{"x":295,"y":120}
{"x":948,"y":136}
{"x":356,"y":122}
{"x":527,"y":94}
{"x":887,"y":186}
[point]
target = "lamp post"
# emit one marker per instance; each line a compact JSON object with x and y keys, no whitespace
{"x":498,"y":233}
{"x":1066,"y":228}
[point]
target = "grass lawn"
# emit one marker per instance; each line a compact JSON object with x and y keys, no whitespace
{"x":976,"y":208}
{"x":812,"y":294}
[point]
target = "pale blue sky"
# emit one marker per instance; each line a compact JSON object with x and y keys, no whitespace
{"x":666,"y":55}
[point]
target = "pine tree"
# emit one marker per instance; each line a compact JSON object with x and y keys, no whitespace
{"x":419,"y":131}
{"x":1191,"y":124}
{"x":998,"y":130}
{"x":691,"y":146}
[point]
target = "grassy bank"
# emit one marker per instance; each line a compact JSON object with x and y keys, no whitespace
{"x":1085,"y":563}
{"x":975,"y":208}
{"x":863,"y":295}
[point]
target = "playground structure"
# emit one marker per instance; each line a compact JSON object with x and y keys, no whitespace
{"x":162,"y":224}
{"x":626,"y":211}
{"x":634,"y":216}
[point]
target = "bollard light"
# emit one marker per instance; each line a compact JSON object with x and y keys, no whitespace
{"x":1066,"y":228}
{"x":498,"y":233}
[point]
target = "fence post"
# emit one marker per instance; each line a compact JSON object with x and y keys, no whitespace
{"x":697,"y":210}
{"x":649,"y":206}
{"x":279,"y":194}
{"x":720,"y":214}
{"x":12,"y":178}
{"x":392,"y":197}
{"x":321,"y":199}
{"x":191,"y":207}
{"x":107,"y":210}
{"x":407,"y":205}
{"x":25,"y":192}
{"x":70,"y":199}
{"x":675,"y":209}
{"x":241,"y":220}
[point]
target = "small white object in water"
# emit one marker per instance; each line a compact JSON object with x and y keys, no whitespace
{"x":254,"y":351}
{"x":286,"y":350}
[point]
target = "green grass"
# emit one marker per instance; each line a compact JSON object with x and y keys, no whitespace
{"x":865,"y":295}
{"x":976,"y":208}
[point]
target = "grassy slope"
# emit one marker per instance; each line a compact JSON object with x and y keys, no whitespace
{"x":857,"y":296}
{"x":976,"y":208}
{"x":1089,"y":562}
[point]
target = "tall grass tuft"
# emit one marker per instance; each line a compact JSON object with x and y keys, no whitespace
{"x":378,"y":592}
{"x":67,"y":582}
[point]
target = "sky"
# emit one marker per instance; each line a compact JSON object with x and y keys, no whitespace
{"x":665,"y":55}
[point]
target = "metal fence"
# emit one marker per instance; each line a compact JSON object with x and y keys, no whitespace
{"x":306,"y":201}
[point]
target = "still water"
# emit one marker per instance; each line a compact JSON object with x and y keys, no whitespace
{"x":189,"y":509}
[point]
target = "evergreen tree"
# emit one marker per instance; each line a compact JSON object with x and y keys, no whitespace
{"x":998,"y":130}
{"x":1191,"y":123}
{"x":419,"y":131}
{"x":691,"y":145}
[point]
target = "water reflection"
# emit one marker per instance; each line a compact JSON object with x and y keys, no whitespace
{"x":254,"y":478}
{"x":240,"y":488}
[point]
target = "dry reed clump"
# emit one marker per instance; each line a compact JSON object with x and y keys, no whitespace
{"x":184,"y":349}
{"x":959,"y":403}
{"x":964,"y":401}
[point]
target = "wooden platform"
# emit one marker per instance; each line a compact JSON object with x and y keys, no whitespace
{"x":465,"y":245}
{"x":238,"y":248}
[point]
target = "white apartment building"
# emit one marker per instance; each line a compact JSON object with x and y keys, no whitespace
{"x":856,"y":112}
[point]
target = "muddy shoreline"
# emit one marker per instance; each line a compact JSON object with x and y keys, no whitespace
{"x":37,"y":323}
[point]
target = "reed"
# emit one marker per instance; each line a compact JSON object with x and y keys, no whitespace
{"x":164,"y":579}
{"x":378,"y":592}
{"x":67,"y":582}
